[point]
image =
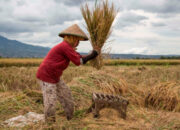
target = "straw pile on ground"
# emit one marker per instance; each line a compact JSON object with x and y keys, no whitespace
{"x":99,"y":21}
{"x":108,"y":84}
{"x":165,"y":96}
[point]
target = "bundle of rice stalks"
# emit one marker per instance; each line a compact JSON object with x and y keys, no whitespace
{"x":99,"y":21}
{"x":135,"y":95}
{"x":108,"y":84}
{"x":165,"y":96}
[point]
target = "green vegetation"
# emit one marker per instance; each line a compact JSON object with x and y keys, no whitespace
{"x":33,"y":62}
{"x":170,"y":57}
{"x":142,"y":62}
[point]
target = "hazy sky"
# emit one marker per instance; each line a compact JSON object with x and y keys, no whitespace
{"x":141,"y":26}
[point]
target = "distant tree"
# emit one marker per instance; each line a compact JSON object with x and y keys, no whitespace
{"x":162,"y":57}
{"x":170,"y":57}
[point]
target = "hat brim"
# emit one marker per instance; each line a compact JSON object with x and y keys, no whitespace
{"x":69,"y":34}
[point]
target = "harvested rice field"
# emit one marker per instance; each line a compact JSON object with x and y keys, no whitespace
{"x":153,"y":93}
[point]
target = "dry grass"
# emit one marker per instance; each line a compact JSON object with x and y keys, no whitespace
{"x":109,"y":84}
{"x":19,"y":62}
{"x":134,"y":81}
{"x":164,"y":96}
{"x":18,"y":78}
{"x":99,"y":21}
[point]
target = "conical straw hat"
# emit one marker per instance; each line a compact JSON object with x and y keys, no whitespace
{"x":74,"y":30}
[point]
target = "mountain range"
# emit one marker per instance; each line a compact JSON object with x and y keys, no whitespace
{"x":13,"y":48}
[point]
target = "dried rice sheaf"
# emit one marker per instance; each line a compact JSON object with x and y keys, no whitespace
{"x":164,"y":96}
{"x":99,"y":21}
{"x":108,"y":84}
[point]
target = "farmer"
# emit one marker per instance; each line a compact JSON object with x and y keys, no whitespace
{"x":52,"y":67}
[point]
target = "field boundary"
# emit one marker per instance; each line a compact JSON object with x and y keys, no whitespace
{"x":33,"y":62}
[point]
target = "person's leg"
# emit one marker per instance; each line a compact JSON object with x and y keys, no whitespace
{"x":65,"y":98}
{"x":49,"y":100}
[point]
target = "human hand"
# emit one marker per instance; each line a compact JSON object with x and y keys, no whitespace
{"x":91,"y":56}
{"x":96,"y":48}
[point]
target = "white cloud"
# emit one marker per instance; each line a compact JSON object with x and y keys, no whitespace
{"x":158,"y":6}
{"x":128,"y":18}
{"x":141,"y":26}
{"x":143,"y":50}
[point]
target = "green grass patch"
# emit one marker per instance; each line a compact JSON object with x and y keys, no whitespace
{"x":80,"y":113}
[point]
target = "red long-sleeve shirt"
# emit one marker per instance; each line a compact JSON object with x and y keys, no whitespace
{"x":56,"y":61}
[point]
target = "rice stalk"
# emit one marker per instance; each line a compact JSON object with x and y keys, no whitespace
{"x":99,"y":21}
{"x":109,"y":84}
{"x":165,"y":96}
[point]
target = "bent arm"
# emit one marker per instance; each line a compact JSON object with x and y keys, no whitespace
{"x":91,"y":56}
